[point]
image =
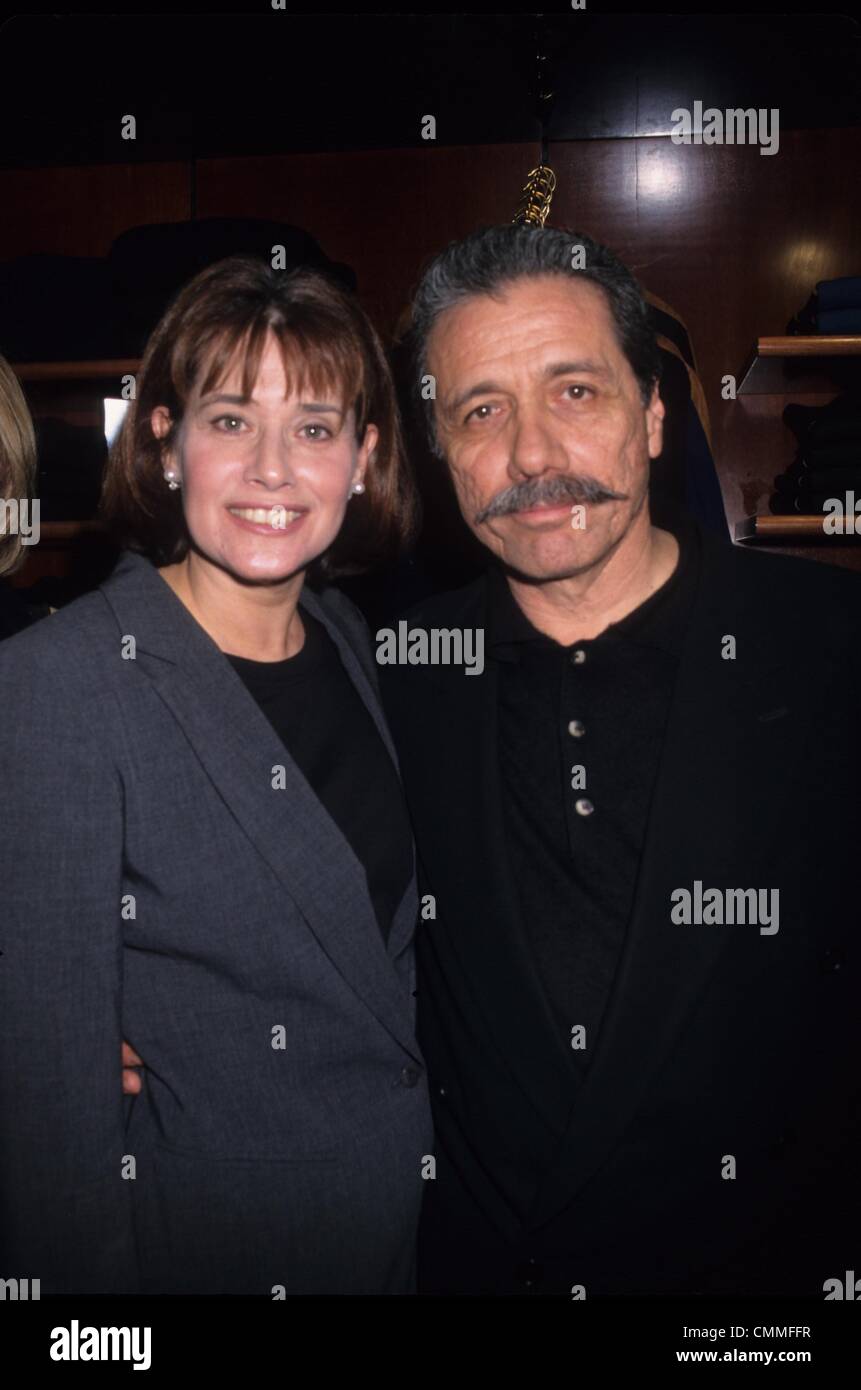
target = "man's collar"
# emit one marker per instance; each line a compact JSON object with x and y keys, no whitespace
{"x":657,"y":622}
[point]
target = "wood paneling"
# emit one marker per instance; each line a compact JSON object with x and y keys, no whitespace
{"x":384,"y":212}
{"x":734,"y":240}
{"x":78,"y":210}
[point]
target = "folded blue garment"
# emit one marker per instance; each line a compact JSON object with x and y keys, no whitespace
{"x":844,"y":293}
{"x":818,"y":427}
{"x":811,"y":503}
{"x":845,"y":454}
{"x":831,"y":480}
{"x":834,"y":480}
{"x":839,"y":320}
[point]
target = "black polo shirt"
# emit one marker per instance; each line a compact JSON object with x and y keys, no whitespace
{"x":580,"y":735}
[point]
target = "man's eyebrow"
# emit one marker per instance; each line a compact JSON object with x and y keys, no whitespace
{"x":222,"y":399}
{"x":584,"y":366}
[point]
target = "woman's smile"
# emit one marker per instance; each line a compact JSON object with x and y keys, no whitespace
{"x":276,"y":520}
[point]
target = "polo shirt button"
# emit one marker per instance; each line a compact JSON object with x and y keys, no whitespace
{"x":583,"y":807}
{"x":529,"y":1274}
{"x":578,"y":657}
{"x":576,"y":728}
{"x":832,"y":960}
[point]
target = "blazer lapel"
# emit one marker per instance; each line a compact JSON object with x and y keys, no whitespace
{"x":403,"y":922}
{"x":238,"y":748}
{"x":725,"y":728}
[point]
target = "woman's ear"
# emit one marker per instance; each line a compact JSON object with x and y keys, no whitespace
{"x":364,"y":457}
{"x":160,"y":421}
{"x":367,"y":447}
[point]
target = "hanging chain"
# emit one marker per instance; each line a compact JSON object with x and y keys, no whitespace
{"x":536,"y":196}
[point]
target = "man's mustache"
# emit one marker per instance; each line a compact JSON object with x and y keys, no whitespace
{"x":572,"y":487}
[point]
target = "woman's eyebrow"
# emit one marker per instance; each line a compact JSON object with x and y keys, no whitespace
{"x":223,"y":399}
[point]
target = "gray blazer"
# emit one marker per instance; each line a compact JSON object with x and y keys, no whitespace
{"x":157,"y":887}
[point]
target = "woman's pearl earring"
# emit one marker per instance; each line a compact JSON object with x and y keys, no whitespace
{"x":170,"y":479}
{"x":358,"y":487}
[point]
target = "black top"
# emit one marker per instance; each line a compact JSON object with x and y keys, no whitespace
{"x":580,"y":733}
{"x":321,"y":719}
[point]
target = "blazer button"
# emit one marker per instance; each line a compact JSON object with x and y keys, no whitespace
{"x":409,"y":1077}
{"x":529,"y":1274}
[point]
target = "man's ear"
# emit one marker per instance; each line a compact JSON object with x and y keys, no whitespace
{"x":655,"y":412}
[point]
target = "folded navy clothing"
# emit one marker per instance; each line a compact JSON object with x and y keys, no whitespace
{"x":844,"y":293}
{"x":843,"y":454}
{"x":70,"y":308}
{"x":148,"y":265}
{"x":820,"y":480}
{"x":830,"y":297}
{"x":823,"y":479}
{"x":838,"y":321}
{"x":809,"y":503}
{"x":837,"y":422}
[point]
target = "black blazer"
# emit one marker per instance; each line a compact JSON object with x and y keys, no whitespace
{"x":718,"y":1040}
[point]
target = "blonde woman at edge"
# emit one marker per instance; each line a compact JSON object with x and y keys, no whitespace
{"x":17,"y":481}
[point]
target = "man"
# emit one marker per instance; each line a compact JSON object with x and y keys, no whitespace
{"x":638,"y":996}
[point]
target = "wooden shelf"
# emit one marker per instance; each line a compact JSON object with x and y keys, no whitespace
{"x":753,"y":530}
{"x":69,"y":530}
{"x":76,"y":371}
{"x":782,"y":365}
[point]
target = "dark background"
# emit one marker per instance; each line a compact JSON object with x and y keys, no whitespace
{"x":316,"y":121}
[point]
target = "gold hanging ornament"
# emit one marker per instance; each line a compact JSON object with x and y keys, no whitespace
{"x":536,"y":197}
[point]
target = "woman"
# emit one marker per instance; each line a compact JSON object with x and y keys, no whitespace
{"x":210,"y":855}
{"x":17,"y":480}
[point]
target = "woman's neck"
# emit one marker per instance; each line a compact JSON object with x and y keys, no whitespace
{"x":260,"y":622}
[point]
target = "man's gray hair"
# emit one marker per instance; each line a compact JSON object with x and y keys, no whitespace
{"x":488,"y":260}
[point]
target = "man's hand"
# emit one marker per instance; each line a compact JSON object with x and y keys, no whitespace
{"x":131,"y":1081}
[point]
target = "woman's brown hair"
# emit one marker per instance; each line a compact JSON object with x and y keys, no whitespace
{"x":326,"y":341}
